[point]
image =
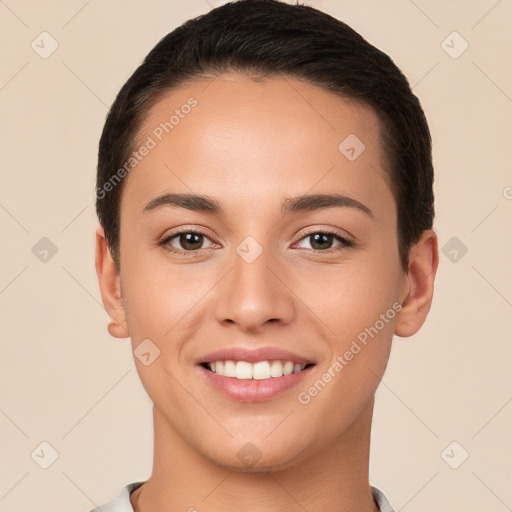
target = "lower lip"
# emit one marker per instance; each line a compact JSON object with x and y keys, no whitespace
{"x":254,"y":390}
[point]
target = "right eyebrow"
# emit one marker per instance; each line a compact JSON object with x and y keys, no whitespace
{"x":194,"y":202}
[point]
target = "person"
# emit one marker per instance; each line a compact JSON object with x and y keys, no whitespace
{"x":265,"y":199}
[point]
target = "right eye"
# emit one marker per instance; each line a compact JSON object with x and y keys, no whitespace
{"x":190,"y":240}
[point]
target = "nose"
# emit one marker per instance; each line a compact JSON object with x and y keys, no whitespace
{"x":254,"y":293}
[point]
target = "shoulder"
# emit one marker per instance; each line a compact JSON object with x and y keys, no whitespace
{"x":121,"y":502}
{"x":381,"y":500}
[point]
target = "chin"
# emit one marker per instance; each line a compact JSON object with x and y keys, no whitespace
{"x":258,"y":457}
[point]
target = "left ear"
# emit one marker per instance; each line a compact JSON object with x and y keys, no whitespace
{"x":423,"y":262}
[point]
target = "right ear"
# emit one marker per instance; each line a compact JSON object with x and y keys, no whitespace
{"x":110,"y":287}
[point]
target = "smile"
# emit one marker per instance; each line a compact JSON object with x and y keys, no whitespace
{"x":258,"y":381}
{"x":259,"y":370}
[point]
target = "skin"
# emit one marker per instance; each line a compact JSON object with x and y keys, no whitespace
{"x":250,"y":145}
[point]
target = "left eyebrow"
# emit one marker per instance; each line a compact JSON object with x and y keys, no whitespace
{"x":299,"y":204}
{"x":307,"y":203}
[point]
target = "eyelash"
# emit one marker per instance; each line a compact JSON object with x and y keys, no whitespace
{"x":345,"y":242}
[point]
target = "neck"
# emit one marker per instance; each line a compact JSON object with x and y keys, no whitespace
{"x":334,"y":479}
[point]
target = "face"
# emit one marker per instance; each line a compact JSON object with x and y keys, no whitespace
{"x":252,"y":270}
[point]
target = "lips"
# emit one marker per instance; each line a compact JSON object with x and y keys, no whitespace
{"x":264,"y":385}
{"x":254,"y":355}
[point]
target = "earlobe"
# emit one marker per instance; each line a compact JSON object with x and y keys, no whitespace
{"x":109,"y":282}
{"x":423,"y":262}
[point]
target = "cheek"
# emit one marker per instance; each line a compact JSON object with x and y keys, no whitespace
{"x":366,"y":324}
{"x":361,"y":318}
{"x":163,"y":300}
{"x":356,"y":295}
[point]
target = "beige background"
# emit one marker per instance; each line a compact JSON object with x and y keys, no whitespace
{"x":66,"y":382}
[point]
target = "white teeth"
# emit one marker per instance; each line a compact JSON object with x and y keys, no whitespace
{"x":229,"y":369}
{"x":260,"y":370}
{"x":243,"y":370}
{"x":276,"y":369}
{"x":288,"y":368}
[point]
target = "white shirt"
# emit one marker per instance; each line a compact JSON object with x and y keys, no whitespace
{"x":121,"y":503}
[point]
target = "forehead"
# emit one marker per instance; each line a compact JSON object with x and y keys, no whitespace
{"x":247,"y":138}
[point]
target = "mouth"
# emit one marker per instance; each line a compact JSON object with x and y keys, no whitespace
{"x":253,"y":374}
{"x":259,"y":370}
{"x":258,"y":381}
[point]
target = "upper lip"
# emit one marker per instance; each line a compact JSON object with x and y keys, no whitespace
{"x":253,"y":355}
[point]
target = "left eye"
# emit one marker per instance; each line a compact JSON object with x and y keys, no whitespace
{"x":321,"y":239}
